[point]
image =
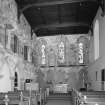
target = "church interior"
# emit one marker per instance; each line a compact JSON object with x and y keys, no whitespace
{"x":52,"y":52}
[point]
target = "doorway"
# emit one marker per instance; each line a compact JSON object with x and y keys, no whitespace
{"x":16,"y":82}
{"x":102,"y":78}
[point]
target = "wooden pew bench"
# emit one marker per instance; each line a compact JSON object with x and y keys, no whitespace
{"x":2,"y":97}
{"x":30,"y":96}
{"x":14,"y":95}
{"x":95,"y":96}
{"x":12,"y":100}
{"x":74,"y":97}
{"x":93,"y":101}
{"x":19,"y":98}
{"x":90,"y":98}
{"x":93,"y":93}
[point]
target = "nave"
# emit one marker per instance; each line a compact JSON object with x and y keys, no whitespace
{"x":52,"y":52}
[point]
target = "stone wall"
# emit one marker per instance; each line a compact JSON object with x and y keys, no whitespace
{"x":96,"y":67}
{"x":10,"y":27}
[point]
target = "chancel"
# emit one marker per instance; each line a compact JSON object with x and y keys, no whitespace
{"x":52,"y":52}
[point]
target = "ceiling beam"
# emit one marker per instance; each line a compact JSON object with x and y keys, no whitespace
{"x":58,"y":2}
{"x":71,"y":24}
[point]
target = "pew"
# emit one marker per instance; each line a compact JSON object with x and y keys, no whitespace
{"x":18,"y":98}
{"x":23,"y":97}
{"x":90,"y":98}
{"x":2,"y":97}
{"x":74,"y":95}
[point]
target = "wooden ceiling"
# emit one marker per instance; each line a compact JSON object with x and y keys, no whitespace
{"x":51,"y":17}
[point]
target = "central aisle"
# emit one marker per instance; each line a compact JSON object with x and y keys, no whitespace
{"x":59,"y":99}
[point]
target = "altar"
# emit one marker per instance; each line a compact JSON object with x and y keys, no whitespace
{"x":60,"y":88}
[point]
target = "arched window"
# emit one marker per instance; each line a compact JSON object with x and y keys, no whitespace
{"x":61,"y":52}
{"x":43,"y":61}
{"x":96,"y":39}
{"x":80,"y":52}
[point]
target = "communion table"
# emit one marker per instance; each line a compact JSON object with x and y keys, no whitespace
{"x":61,"y":88}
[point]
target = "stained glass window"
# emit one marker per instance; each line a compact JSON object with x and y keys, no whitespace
{"x":80,"y":52}
{"x":43,"y":54}
{"x":61,"y":53}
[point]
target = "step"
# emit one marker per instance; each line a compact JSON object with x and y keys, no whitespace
{"x":59,"y":99}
